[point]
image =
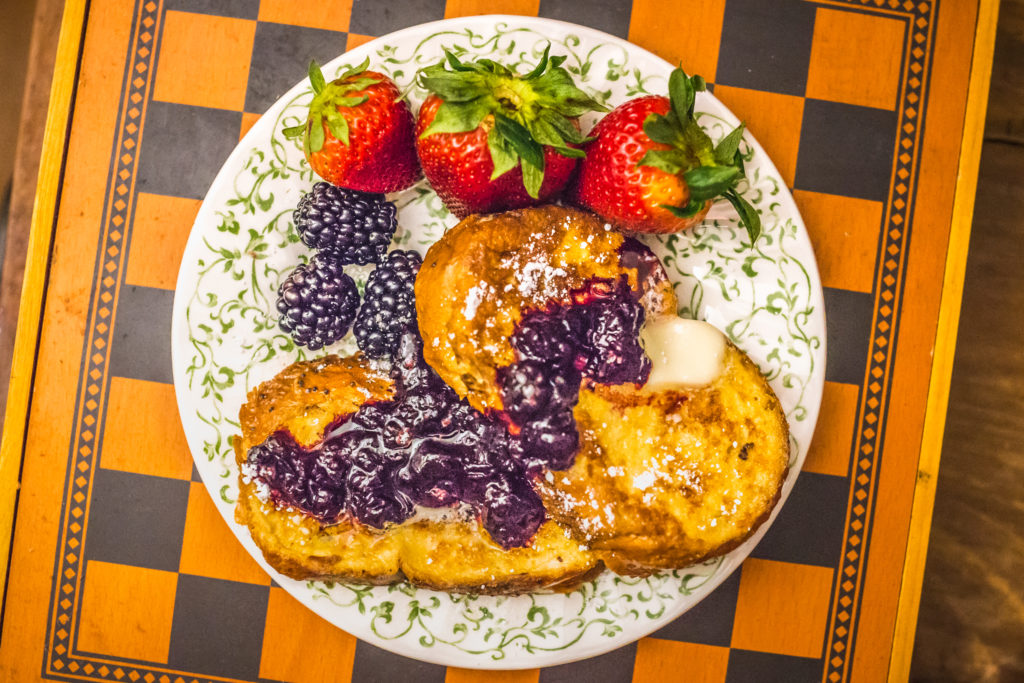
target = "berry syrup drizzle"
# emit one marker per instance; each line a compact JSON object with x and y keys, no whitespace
{"x":426,"y":447}
{"x":594,"y":338}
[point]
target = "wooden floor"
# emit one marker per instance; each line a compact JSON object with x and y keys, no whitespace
{"x":971,"y":625}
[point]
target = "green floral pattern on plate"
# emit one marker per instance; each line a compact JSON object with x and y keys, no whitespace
{"x":226,"y":340}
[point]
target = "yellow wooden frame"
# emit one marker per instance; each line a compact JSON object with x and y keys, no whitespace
{"x":37,"y":259}
{"x":945,"y":342}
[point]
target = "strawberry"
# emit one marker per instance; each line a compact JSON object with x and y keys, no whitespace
{"x":649,"y":166}
{"x":359,"y":132}
{"x":489,"y":139}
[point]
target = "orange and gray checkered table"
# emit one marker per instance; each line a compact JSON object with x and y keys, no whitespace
{"x":141,"y":546}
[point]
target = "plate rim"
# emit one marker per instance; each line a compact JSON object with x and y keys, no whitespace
{"x":296,"y":588}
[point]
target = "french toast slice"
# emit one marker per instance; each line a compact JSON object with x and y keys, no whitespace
{"x":479,"y":279}
{"x":665,"y":479}
{"x":662,"y":480}
{"x":452,"y":553}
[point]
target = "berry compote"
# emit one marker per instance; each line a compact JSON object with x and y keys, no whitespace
{"x":594,"y":338}
{"x":426,"y":447}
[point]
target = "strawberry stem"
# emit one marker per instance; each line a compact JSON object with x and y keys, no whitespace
{"x":328,"y":105}
{"x":708,"y":171}
{"x":528,"y":111}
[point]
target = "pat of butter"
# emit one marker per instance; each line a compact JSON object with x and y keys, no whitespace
{"x":684,"y":353}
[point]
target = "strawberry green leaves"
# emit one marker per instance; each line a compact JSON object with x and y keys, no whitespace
{"x":728,"y":150}
{"x":707,"y":182}
{"x":328,"y":105}
{"x":522,"y":113}
{"x":709,"y":171}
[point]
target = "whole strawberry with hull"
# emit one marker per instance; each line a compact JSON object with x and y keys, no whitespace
{"x":650,"y":167}
{"x":490,"y":140}
{"x":359,"y":132}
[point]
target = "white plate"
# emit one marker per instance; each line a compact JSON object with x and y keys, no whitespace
{"x":225,"y":339}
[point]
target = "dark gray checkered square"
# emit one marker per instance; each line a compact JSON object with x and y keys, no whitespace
{"x":846,"y":150}
{"x":218,"y":627}
{"x":141,"y":345}
{"x":710,"y":621}
{"x":766,"y":45}
{"x":374,"y":665}
{"x":243,"y":9}
{"x":375,"y":18}
{"x":280,"y":59}
{"x":809,"y":528}
{"x":761,"y":667}
{"x":614,"y":667}
{"x":136,"y":519}
{"x":183,"y":147}
{"x":848,"y":319}
{"x":610,"y":16}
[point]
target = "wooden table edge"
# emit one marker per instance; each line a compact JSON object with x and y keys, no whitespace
{"x":945,"y":342}
{"x":51,"y":167}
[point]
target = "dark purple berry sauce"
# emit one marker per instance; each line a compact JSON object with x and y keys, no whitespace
{"x":427,"y":447}
{"x":593,"y":339}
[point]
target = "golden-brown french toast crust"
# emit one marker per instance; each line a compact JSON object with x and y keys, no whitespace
{"x":456,"y":557}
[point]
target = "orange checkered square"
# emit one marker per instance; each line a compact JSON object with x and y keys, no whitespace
{"x":844,"y":232}
{"x":204,"y":60}
{"x":689,"y":37}
{"x":208,"y":547}
{"x":162,"y":225}
{"x":468,"y":8}
{"x":667,"y":660}
{"x":138,"y":436}
{"x":127,"y":611}
{"x":300,"y":646}
{"x":354,"y":40}
{"x":782,"y":608}
{"x":248,"y":121}
{"x":830,"y":448}
{"x":330,"y":15}
{"x":855,"y":58}
{"x":456,"y":675}
{"x":773,"y":119}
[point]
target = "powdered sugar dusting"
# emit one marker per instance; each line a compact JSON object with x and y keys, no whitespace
{"x":474,"y":297}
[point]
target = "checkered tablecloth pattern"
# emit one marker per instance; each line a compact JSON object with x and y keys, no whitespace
{"x":149,"y":582}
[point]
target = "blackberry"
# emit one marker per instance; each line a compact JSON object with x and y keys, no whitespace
{"x":389,"y":305}
{"x":551,"y":441}
{"x":513,"y":511}
{"x":525,"y":389}
{"x":317,"y":302}
{"x":373,"y":497}
{"x":433,"y":474}
{"x":310,"y":480}
{"x":356,"y":227}
{"x":613,"y":351}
